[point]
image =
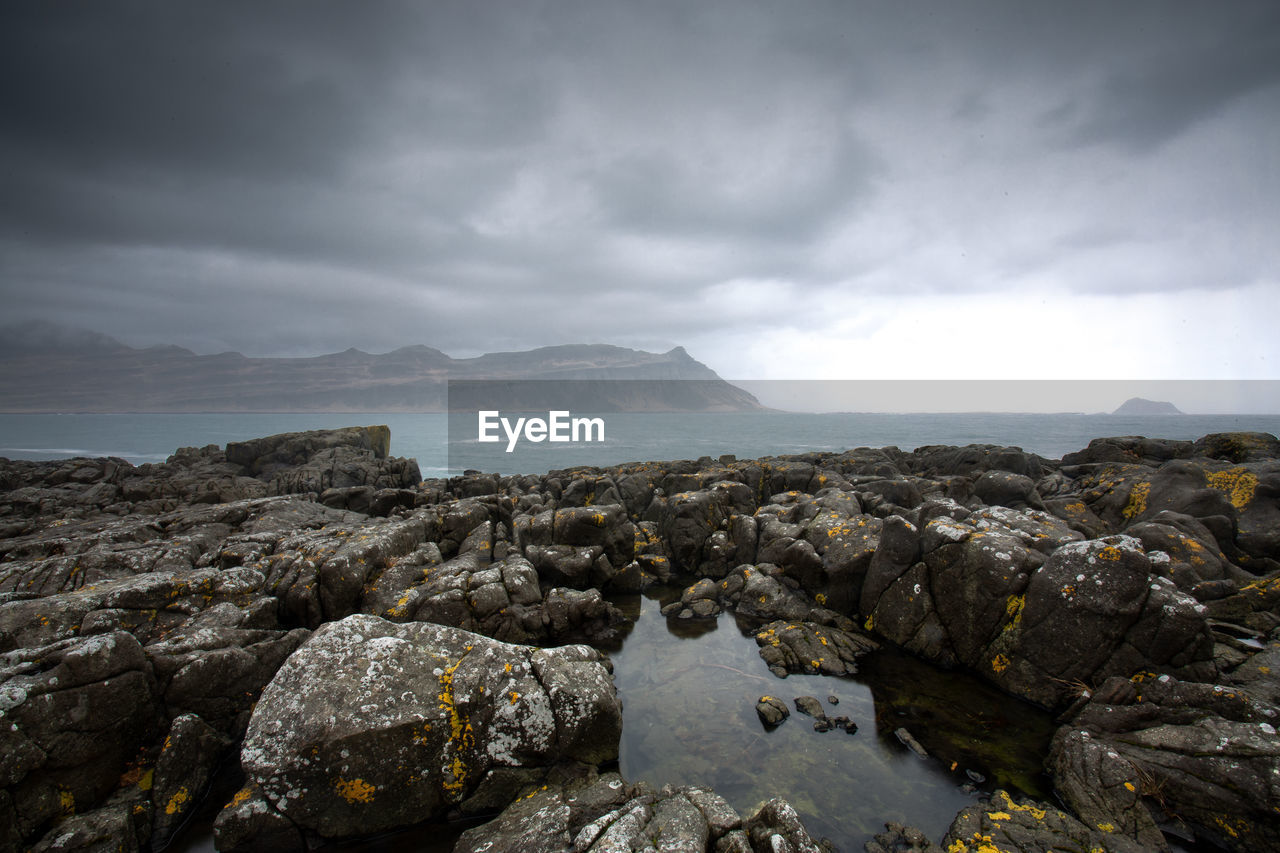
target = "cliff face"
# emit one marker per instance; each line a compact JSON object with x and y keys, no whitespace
{"x":50,"y":369}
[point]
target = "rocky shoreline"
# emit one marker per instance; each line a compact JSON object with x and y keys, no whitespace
{"x":380,"y":651}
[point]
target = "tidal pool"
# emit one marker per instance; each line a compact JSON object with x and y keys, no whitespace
{"x":689,"y":690}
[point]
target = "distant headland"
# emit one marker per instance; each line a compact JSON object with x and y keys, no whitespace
{"x":1141,"y":406}
{"x":49,"y":368}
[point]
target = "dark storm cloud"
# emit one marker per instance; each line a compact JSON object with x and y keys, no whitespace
{"x":1156,"y":91}
{"x":302,"y":177}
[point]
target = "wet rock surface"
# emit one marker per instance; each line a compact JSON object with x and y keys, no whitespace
{"x":1133,"y":587}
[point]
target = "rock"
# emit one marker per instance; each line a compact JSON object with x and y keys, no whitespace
{"x":264,"y":455}
{"x":772,"y":710}
{"x":216,"y":665}
{"x":1011,"y":826}
{"x":777,"y":828}
{"x":764,"y":597}
{"x":75,"y":713}
{"x":249,"y":823}
{"x":1206,"y":753}
{"x":110,"y":829}
{"x":187,"y":761}
{"x":901,"y":839}
{"x":372,"y":725}
{"x":1103,"y":788}
{"x":1093,"y":610}
{"x":806,"y":647}
{"x":908,"y":740}
{"x":1004,"y":488}
{"x":606,"y":526}
{"x":810,"y":706}
{"x":1239,"y":446}
{"x":604,"y":813}
{"x":689,"y":520}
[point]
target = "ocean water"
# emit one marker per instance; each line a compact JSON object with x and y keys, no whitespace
{"x":447,"y":443}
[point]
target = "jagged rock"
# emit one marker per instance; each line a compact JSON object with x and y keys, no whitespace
{"x":216,"y":664}
{"x":762,"y":596}
{"x":777,"y":828}
{"x":1103,"y":788}
{"x":263,"y":455}
{"x":1239,"y":446}
{"x":1094,"y":610}
{"x":1207,"y":753}
{"x":74,"y":714}
{"x":188,"y":758}
{"x":249,"y":824}
{"x":207,"y":574}
{"x":1005,"y":825}
{"x":372,"y":725}
{"x":604,"y":813}
{"x":805,"y":647}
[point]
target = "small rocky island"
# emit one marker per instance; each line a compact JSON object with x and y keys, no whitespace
{"x":377,"y":652}
{"x":1143,"y":406}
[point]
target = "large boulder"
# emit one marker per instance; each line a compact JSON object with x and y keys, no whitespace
{"x":1093,"y":610}
{"x":373,"y":725}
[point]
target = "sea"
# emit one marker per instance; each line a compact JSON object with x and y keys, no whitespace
{"x":446,"y":445}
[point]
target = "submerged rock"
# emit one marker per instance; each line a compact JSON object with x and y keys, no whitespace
{"x":772,"y":710}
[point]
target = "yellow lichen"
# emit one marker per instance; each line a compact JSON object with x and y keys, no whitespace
{"x":177,"y":802}
{"x":999,"y":663}
{"x":66,"y":801}
{"x":1239,"y":485}
{"x":354,"y":790}
{"x":1013,"y":610}
{"x":1010,"y":805}
{"x":461,"y":736}
{"x":977,"y":844}
{"x":1110,"y":553}
{"x":1137,"y":503}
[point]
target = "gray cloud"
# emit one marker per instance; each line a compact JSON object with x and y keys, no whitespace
{"x":301,"y":177}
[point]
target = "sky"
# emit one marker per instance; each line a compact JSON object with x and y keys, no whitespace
{"x":808,"y":190}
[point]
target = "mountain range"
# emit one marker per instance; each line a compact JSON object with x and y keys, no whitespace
{"x":50,"y":368}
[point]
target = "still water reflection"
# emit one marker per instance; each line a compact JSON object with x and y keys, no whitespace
{"x":689,"y":691}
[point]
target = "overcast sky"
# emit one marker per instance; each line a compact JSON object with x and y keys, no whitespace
{"x":788,"y":190}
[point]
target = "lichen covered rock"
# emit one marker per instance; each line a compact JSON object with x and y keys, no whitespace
{"x":372,"y":725}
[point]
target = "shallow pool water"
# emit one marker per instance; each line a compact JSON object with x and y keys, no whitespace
{"x":689,"y":690}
